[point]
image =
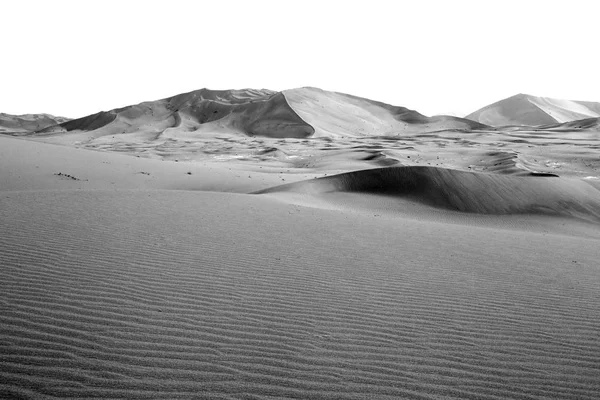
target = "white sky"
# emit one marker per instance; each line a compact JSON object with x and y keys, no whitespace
{"x":74,"y":58}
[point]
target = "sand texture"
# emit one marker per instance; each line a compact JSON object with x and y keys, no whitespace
{"x":283,"y":251}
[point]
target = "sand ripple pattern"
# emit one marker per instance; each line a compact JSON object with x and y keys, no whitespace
{"x":210,"y":295}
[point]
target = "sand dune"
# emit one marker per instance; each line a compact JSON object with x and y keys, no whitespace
{"x":465,"y":191}
{"x":528,"y":110}
{"x":297,"y":113}
{"x":137,"y":294}
{"x":588,"y":124}
{"x":326,"y":132}
{"x":309,"y":130}
{"x":336,"y":115}
{"x":249,"y":112}
{"x":255,"y":244}
{"x":27,"y":123}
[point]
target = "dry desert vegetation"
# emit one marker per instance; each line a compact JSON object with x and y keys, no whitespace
{"x":301,"y":244}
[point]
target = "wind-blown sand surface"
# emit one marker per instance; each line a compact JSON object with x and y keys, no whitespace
{"x":174,"y":294}
{"x":428,"y":265}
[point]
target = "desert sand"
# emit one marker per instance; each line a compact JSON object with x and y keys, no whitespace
{"x":299,"y":244}
{"x":528,"y":110}
{"x":27,"y":123}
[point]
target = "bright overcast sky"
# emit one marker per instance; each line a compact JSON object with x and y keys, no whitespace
{"x":74,"y":58}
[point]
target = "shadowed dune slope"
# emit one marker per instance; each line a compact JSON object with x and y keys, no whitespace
{"x":27,"y":123}
{"x":335,"y":114}
{"x":528,"y":110}
{"x":465,"y":191}
{"x":250,"y":112}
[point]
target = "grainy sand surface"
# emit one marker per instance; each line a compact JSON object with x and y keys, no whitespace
{"x":429,"y":265}
{"x":175,"y":294}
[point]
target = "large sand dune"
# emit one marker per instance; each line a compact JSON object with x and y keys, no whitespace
{"x":297,"y":113}
{"x":337,"y":115}
{"x":528,"y":110}
{"x":328,"y":132}
{"x":200,"y":255}
{"x":249,"y":112}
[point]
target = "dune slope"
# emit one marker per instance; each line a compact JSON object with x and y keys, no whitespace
{"x":27,"y":123}
{"x":465,"y":191}
{"x":297,"y":113}
{"x":171,"y":294}
{"x":528,"y":110}
{"x":250,"y":112}
{"x":27,"y":165}
{"x":588,"y":124}
{"x":335,"y":114}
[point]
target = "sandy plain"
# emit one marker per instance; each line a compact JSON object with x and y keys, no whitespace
{"x":184,"y":258}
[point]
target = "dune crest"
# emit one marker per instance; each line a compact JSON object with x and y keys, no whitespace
{"x":337,"y":114}
{"x":587,"y":124}
{"x":528,"y":110}
{"x":463,"y":191}
{"x":250,"y":112}
{"x":297,"y":113}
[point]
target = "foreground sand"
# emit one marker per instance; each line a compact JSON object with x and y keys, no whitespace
{"x":164,"y":284}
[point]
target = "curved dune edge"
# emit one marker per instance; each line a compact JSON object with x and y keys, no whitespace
{"x":336,"y":115}
{"x":260,"y":113}
{"x":527,"y":110}
{"x":463,"y":191}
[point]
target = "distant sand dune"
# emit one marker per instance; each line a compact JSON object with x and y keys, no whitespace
{"x":591,"y":124}
{"x":297,"y":113}
{"x":206,"y":261}
{"x":330,"y":132}
{"x":336,"y":115}
{"x":528,"y":110}
{"x":27,"y":123}
{"x":249,"y":112}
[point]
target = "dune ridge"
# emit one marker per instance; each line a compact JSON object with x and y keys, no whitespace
{"x":309,"y":128}
{"x":336,"y":115}
{"x":251,"y":112}
{"x":464,"y":191}
{"x":527,"y":110}
{"x":592,"y":124}
{"x":27,"y":123}
{"x":288,"y":114}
